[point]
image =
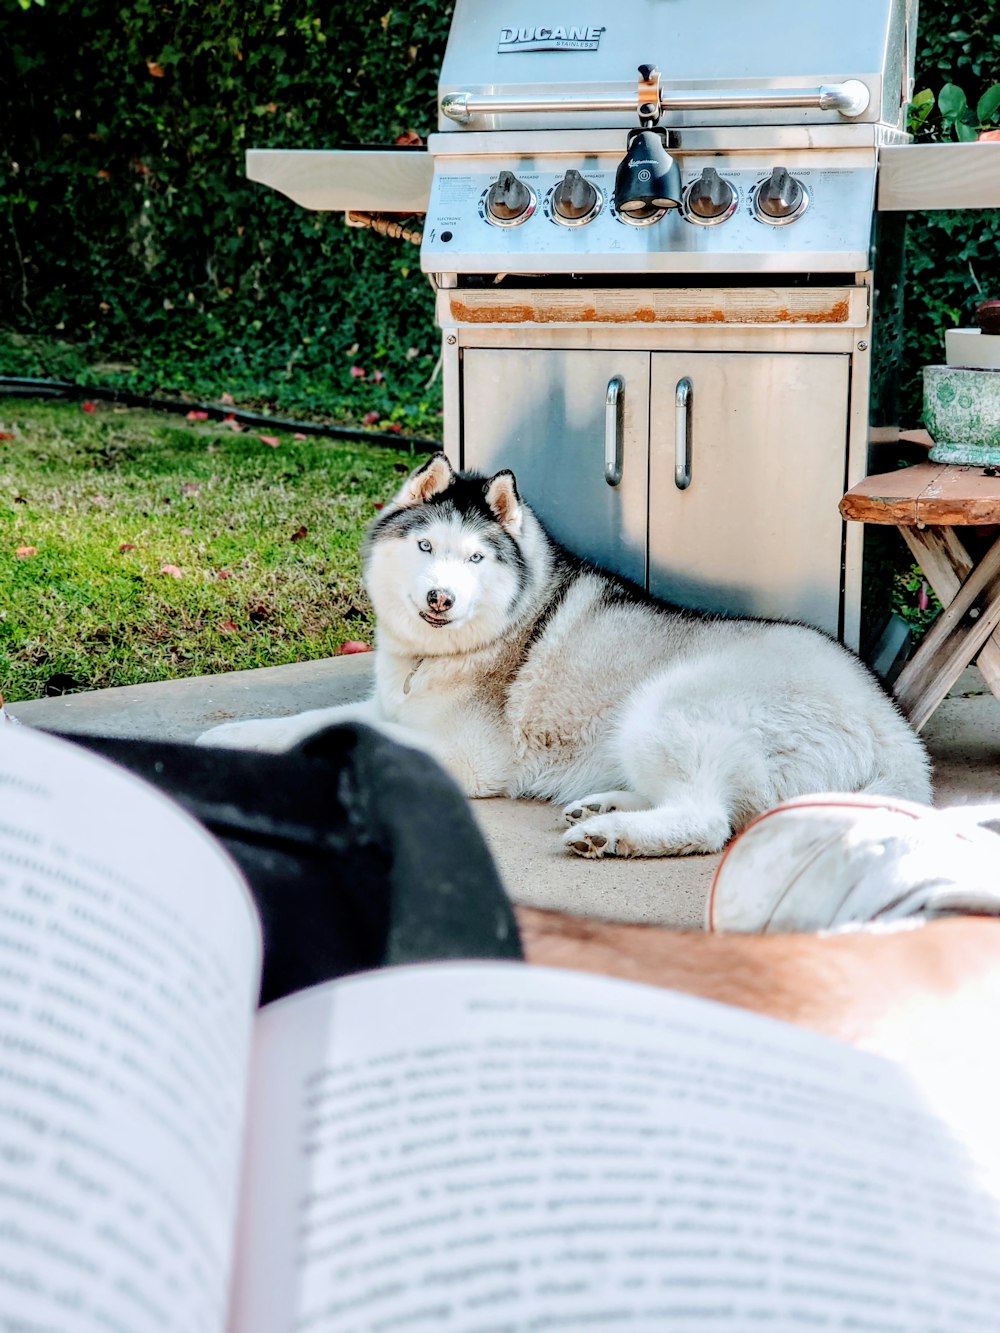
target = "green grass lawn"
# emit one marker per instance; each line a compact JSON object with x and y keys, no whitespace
{"x":138,"y":547}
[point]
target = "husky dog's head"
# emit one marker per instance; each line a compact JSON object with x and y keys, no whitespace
{"x":445,"y":564}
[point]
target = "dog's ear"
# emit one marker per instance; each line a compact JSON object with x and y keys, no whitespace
{"x":428,"y":480}
{"x":503,"y":499}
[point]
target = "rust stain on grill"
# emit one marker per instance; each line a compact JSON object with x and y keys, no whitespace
{"x":560,"y":313}
{"x":837,"y":314}
{"x":500,"y":314}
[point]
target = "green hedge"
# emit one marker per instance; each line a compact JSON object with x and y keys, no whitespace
{"x":952,"y":259}
{"x":129,"y":235}
{"x":127,"y":225}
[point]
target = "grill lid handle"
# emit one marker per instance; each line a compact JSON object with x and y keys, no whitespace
{"x":851,"y":98}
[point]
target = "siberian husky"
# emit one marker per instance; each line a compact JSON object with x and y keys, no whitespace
{"x":528,"y":672}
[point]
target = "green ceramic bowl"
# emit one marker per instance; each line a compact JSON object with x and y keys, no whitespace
{"x":962,"y":414}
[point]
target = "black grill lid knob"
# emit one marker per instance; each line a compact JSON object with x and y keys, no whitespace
{"x":508,"y":198}
{"x":574,"y":197}
{"x":710,"y":196}
{"x":780,"y":195}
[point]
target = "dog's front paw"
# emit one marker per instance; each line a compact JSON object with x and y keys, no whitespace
{"x":601,"y":803}
{"x":577,"y":810}
{"x":594,"y":841}
{"x":590,"y":843}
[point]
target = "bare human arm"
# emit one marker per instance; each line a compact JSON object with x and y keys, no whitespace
{"x":928,"y":995}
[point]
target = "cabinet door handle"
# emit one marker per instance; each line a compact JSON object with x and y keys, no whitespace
{"x":682,"y":433}
{"x":614,"y":432}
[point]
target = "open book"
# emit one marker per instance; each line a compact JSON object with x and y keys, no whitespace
{"x":469,"y":1146}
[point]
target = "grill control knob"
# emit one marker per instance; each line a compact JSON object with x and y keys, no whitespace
{"x":509,"y":201}
{"x":709,"y":198}
{"x":574,"y":199}
{"x":781,"y":198}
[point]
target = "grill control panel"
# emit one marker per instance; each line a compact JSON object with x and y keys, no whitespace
{"x":737,"y":214}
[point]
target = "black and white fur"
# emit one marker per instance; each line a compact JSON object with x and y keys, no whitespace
{"x":527,"y":672}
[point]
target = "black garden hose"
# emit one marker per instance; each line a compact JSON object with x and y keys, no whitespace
{"x":17,"y":386}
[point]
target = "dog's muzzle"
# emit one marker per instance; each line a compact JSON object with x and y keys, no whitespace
{"x":439,"y":603}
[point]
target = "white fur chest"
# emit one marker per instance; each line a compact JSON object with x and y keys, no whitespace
{"x":418,"y":691}
{"x":443,"y":700}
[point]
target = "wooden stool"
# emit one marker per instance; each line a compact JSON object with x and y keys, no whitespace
{"x":926,"y":503}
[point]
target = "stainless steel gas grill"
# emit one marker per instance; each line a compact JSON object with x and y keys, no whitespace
{"x":652,"y":230}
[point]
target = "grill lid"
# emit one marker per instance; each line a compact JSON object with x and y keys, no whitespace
{"x":555,"y":51}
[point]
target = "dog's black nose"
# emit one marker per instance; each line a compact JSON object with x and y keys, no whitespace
{"x":440,"y":599}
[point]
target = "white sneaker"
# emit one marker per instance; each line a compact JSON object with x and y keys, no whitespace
{"x":830,"y":861}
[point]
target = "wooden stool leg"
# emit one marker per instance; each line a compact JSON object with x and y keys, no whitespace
{"x":953,"y":640}
{"x":946,"y":563}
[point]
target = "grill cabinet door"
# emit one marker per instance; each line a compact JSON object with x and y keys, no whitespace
{"x":757,"y":531}
{"x":544,"y":414}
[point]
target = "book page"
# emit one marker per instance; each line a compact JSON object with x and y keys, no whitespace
{"x":502,"y":1147}
{"x":129,"y":968}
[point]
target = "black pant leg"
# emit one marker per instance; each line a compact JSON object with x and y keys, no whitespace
{"x":358,"y":851}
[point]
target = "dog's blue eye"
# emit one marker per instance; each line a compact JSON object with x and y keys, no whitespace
{"x":424,"y":544}
{"x":475,"y":558}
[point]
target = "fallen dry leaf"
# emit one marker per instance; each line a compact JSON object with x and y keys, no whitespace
{"x":355,"y":646}
{"x":6,"y":434}
{"x":228,"y":627}
{"x":227,"y":399}
{"x":369,"y":418}
{"x":271,"y":440}
{"x":156,"y":69}
{"x":26,"y":552}
{"x":127,"y":546}
{"x":224,"y":574}
{"x":358,"y":372}
{"x":299,"y":533}
{"x":190,"y":488}
{"x":88,"y":406}
{"x":196,"y":416}
{"x":172,"y":570}
{"x":299,"y":436}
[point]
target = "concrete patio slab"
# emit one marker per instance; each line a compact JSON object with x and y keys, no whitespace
{"x":963,"y":737}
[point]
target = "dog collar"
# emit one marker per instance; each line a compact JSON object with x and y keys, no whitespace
{"x":413,"y":671}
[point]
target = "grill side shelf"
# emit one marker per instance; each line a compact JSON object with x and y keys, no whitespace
{"x":938,"y":175}
{"x":366,"y":180}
